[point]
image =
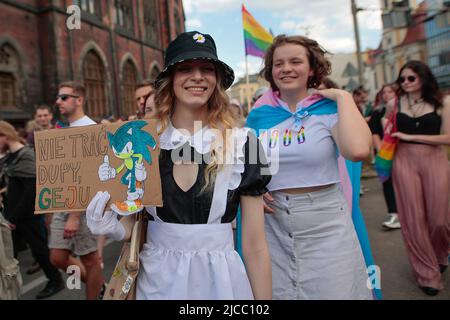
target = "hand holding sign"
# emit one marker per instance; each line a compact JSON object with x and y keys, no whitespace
{"x":74,"y":163}
{"x":105,"y":171}
{"x":102,"y":222}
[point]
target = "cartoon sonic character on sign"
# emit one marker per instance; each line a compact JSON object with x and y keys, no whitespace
{"x":130,"y":144}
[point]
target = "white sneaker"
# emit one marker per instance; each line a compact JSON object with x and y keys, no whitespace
{"x":392,"y":222}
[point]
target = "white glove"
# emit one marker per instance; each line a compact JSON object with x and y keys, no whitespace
{"x":141,"y":173}
{"x":103,"y":224}
{"x":105,"y":171}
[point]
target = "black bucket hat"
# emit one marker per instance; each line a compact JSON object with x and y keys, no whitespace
{"x":190,"y":46}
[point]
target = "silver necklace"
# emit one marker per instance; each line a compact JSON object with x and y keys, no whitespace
{"x":415,"y":111}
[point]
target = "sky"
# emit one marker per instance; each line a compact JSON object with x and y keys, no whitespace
{"x":327,"y":21}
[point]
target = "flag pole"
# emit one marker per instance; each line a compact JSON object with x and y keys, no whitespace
{"x":248,"y":84}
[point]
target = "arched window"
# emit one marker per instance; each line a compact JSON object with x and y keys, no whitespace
{"x":9,"y":74}
{"x":7,"y":90}
{"x":129,"y":86}
{"x":94,"y":81}
{"x":154,"y":73}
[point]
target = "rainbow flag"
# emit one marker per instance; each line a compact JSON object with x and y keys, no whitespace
{"x":385,"y":158}
{"x":256,"y":38}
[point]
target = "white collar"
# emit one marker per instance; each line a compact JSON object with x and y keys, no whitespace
{"x":201,"y":141}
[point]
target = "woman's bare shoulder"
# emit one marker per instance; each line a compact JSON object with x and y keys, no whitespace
{"x":446,"y":101}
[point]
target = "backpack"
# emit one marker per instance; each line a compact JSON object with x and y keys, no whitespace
{"x":10,"y":277}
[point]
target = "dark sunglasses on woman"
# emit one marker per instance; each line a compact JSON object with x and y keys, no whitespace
{"x":409,"y":78}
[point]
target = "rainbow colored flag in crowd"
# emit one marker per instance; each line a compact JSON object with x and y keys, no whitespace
{"x":59,"y":124}
{"x":256,"y":38}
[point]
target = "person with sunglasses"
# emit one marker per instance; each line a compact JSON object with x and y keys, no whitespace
{"x":69,"y":233}
{"x":421,"y":173}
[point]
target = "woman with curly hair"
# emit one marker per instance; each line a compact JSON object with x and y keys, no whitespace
{"x":313,"y":244}
{"x":421,"y":173}
{"x":205,"y":174}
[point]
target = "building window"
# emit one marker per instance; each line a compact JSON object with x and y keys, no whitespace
{"x":434,"y":61}
{"x":177,"y":19}
{"x":94,"y":81}
{"x":124,"y":14}
{"x":7,"y":90}
{"x":90,"y":6}
{"x":4,"y":55}
{"x":441,"y":21}
{"x":129,"y":86}
{"x":150,"y":21}
{"x":393,"y":72}
{"x":9,"y":76}
{"x":444,"y":58}
{"x":388,"y":43}
{"x":154,"y":73}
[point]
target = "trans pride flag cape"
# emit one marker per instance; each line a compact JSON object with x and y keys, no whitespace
{"x":267,"y":113}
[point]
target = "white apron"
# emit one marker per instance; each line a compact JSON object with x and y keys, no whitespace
{"x":191,"y":262}
{"x":195,"y":261}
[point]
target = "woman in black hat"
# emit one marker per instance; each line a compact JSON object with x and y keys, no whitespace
{"x":205,"y":174}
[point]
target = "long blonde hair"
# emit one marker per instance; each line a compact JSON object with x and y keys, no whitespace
{"x":219,"y":118}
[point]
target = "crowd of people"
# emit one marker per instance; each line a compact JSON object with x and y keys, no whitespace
{"x":293,"y":182}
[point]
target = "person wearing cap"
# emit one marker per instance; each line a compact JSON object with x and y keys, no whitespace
{"x":189,"y":253}
{"x":313,"y":241}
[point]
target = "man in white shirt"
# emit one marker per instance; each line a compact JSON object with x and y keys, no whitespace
{"x":69,"y":232}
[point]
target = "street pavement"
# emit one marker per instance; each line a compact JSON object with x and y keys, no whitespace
{"x":397,"y":281}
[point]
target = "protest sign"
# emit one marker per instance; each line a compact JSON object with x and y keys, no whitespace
{"x":72,"y":164}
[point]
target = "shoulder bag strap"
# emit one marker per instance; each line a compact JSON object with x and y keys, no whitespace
{"x":392,"y":119}
{"x":133,"y":260}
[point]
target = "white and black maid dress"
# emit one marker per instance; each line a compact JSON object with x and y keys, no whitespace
{"x":189,"y":253}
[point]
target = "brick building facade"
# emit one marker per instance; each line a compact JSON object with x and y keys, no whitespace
{"x":120,"y":42}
